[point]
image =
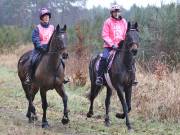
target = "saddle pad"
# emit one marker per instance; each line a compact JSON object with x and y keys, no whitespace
{"x":110,"y":60}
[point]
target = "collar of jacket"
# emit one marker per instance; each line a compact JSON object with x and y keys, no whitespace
{"x":113,"y":19}
{"x":45,"y":25}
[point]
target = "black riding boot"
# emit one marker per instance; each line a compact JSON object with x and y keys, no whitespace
{"x":28,"y":79}
{"x":101,"y":71}
{"x":35,"y":57}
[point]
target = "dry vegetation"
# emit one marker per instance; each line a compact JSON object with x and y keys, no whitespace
{"x":10,"y":58}
{"x":158,"y":94}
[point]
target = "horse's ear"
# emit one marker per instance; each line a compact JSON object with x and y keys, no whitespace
{"x":129,"y":25}
{"x":57,"y":27}
{"x":65,"y":27}
{"x":136,"y":25}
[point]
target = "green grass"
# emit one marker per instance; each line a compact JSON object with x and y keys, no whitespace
{"x":13,"y":107}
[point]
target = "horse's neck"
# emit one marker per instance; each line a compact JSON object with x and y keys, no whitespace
{"x":119,"y":60}
{"x":51,"y":59}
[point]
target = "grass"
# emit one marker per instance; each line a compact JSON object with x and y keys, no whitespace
{"x":154,"y":112}
{"x":14,"y":105}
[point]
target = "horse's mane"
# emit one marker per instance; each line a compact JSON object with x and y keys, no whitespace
{"x":50,"y":39}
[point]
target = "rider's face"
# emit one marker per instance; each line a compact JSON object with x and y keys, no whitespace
{"x":116,"y":14}
{"x":45,"y":19}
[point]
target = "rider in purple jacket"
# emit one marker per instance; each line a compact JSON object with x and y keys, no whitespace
{"x":40,"y":38}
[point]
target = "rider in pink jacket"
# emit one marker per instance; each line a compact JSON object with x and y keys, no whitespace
{"x":114,"y":31}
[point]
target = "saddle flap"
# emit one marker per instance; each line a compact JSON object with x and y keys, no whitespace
{"x":110,"y":60}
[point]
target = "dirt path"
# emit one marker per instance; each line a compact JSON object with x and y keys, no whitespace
{"x":13,"y":122}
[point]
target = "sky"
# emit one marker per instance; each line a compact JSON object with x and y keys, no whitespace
{"x":127,"y":3}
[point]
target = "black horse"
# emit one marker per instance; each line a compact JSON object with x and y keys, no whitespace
{"x":119,"y":74}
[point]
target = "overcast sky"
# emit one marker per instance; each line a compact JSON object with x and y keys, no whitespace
{"x":127,"y":3}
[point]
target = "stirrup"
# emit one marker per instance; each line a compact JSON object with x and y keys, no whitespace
{"x":66,"y":81}
{"x":28,"y":80}
{"x":99,"y":81}
{"x":134,"y":83}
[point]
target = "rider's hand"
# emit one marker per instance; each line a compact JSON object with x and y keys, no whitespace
{"x":43,"y":49}
{"x":114,"y":47}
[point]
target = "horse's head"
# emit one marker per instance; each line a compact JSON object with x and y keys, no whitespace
{"x":59,"y":40}
{"x":132,"y":38}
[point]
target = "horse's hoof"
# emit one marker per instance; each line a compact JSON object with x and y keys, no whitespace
{"x":120,"y":115}
{"x":30,"y":120}
{"x":65,"y":120}
{"x":28,"y":115}
{"x":130,"y":130}
{"x":34,"y":118}
{"x":107,"y":123}
{"x":89,"y":114}
{"x":45,"y":124}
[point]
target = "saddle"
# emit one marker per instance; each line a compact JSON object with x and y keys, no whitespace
{"x":109,"y":61}
{"x":106,"y":77}
{"x":35,"y":61}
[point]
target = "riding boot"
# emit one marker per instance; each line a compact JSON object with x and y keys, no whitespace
{"x":101,"y":71}
{"x":28,"y":79}
{"x":30,"y":70}
{"x":65,"y":80}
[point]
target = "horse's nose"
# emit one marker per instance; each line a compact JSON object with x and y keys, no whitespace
{"x":134,"y":51}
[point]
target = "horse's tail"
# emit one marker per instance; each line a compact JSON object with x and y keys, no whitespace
{"x":92,"y":68}
{"x":92,"y":73}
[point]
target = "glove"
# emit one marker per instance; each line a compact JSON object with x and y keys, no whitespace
{"x":114,"y":47}
{"x":43,"y":49}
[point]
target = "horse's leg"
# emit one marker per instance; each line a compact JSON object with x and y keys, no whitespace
{"x":107,"y":103}
{"x":44,"y":106}
{"x":128,"y":91}
{"x":124,"y":105}
{"x":61,"y":92}
{"x":92,"y":95}
{"x":30,"y":94}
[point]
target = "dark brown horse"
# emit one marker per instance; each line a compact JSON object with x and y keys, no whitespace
{"x":49,"y":74}
{"x":121,"y":78}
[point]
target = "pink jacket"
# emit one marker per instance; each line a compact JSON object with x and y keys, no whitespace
{"x":113,"y":31}
{"x":45,"y":33}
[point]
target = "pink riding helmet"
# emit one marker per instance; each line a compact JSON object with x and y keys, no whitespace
{"x":43,"y":12}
